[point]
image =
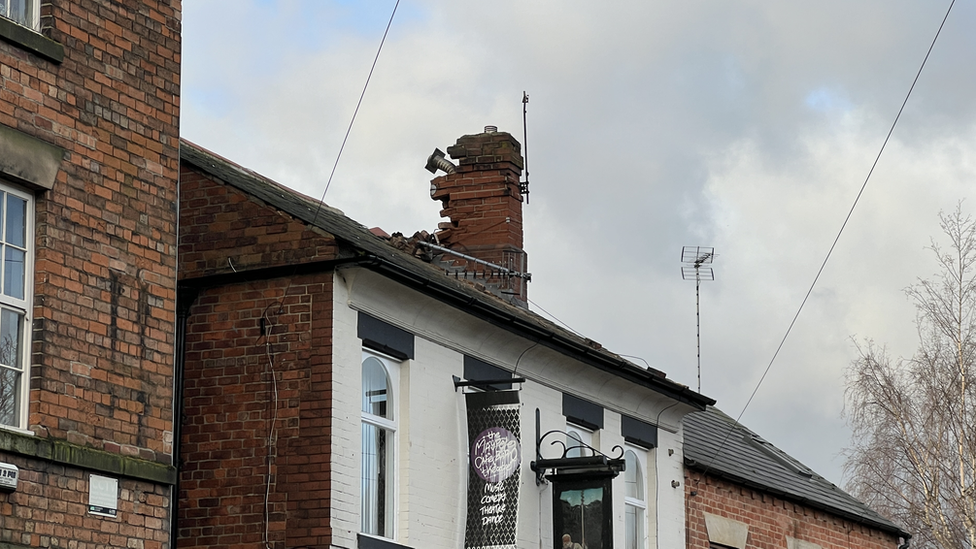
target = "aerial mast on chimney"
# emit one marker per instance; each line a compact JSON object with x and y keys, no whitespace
{"x":695,"y":258}
{"x":524,"y":185}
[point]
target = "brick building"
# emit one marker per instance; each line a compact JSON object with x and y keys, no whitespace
{"x":89,"y":160}
{"x":325,"y":375}
{"x":290,"y":312}
{"x":337,"y":360}
{"x":743,"y":492}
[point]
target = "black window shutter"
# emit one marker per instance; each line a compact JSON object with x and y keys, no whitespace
{"x":582,"y":412}
{"x":638,"y":432}
{"x":385,"y":338}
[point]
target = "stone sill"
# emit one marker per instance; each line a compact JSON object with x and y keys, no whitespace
{"x":31,"y":41}
{"x":66,"y":453}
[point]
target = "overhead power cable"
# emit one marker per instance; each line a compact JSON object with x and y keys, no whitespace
{"x":836,"y":239}
{"x":356,"y":111}
{"x":552,"y":316}
{"x":265,"y":321}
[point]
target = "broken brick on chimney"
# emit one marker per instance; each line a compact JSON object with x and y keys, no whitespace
{"x":484,"y":205}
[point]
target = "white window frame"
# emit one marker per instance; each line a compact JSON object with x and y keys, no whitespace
{"x":637,"y":504}
{"x":32,"y":13}
{"x":388,"y":424}
{"x":20,"y":306}
{"x":575,"y":434}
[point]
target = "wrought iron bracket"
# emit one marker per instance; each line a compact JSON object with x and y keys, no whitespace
{"x":597,"y":464}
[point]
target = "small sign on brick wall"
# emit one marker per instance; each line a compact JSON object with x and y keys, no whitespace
{"x":9,"y":474}
{"x":103,"y":496}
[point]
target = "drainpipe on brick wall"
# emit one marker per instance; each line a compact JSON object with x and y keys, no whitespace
{"x":185,"y":298}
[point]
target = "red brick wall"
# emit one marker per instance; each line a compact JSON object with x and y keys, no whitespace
{"x":484,"y":205}
{"x":105,"y":259}
{"x":221,"y":229}
{"x":104,"y":262}
{"x":482,"y":199}
{"x":242,"y":338}
{"x":49,"y":509}
{"x":770,"y":519}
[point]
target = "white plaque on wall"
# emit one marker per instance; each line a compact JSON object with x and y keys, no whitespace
{"x":103,"y":496}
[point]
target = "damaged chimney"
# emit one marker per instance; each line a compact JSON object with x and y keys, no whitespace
{"x":482,"y":200}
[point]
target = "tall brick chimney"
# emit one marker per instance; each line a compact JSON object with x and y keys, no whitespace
{"x":482,"y":200}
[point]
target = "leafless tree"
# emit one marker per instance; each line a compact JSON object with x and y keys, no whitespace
{"x":913,"y":452}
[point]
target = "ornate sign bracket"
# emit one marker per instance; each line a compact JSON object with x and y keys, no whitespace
{"x":595,"y":465}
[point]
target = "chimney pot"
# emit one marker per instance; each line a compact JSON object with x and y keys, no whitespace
{"x":491,"y":129}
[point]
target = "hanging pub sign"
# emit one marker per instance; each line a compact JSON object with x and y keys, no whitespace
{"x":582,"y":514}
{"x":495,"y":459}
{"x":582,"y":477}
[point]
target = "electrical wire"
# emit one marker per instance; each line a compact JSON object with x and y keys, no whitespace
{"x":272,"y":442}
{"x":355,"y":112}
{"x":823,"y":265}
{"x":552,"y":316}
{"x":266,"y":320}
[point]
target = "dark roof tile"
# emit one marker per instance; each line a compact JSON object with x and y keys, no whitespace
{"x":713,"y":442}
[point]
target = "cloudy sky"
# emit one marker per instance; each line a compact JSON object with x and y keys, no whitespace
{"x":746,"y":125}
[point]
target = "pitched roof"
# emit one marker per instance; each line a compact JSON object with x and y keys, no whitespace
{"x":374,"y":253}
{"x":716,"y":444}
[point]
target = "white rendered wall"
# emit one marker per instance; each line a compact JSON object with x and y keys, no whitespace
{"x":431,"y":447}
{"x":670,"y":499}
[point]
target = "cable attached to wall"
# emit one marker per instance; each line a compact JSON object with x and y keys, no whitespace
{"x":268,"y":325}
{"x":267,"y":329}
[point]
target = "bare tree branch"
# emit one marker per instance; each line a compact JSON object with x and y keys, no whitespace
{"x":913,"y":452}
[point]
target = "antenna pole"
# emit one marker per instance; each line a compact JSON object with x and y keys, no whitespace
{"x":695,"y":257}
{"x":698,"y":319}
{"x":524,"y":185}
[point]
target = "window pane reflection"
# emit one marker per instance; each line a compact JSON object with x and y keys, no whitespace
{"x":13,"y":272}
{"x":633,"y":527}
{"x":574,"y":448}
{"x":633,"y":479}
{"x":10,"y":337}
{"x":373,"y":482}
{"x":375,"y":388}
{"x":16,"y":233}
{"x":582,"y":518}
{"x":9,"y":396}
{"x":11,"y":375}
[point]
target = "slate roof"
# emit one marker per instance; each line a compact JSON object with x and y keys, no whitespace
{"x":749,"y":460}
{"x":373,"y":252}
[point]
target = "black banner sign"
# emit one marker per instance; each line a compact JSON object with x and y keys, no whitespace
{"x":495,"y":458}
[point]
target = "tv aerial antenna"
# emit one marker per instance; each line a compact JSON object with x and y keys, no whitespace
{"x":696,"y":260}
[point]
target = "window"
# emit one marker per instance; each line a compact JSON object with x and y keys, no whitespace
{"x":635,"y":504}
{"x":23,"y":12}
{"x":576,"y":438}
{"x":583,"y":419}
{"x":377,"y":480}
{"x":16,"y":234}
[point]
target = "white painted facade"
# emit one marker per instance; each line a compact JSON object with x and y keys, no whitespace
{"x":430,"y":456}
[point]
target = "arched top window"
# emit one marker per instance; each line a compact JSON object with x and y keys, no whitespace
{"x":378,"y":477}
{"x":575,"y":439}
{"x":376,"y":389}
{"x":633,"y":477}
{"x":635,"y":506}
